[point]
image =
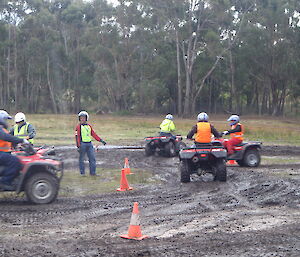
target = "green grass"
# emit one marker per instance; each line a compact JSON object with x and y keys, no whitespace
{"x":108,"y":181}
{"x":59,"y":129}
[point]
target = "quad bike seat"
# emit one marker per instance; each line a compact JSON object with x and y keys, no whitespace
{"x":202,"y":144}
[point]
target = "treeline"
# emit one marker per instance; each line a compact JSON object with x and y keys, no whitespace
{"x":150,"y":56}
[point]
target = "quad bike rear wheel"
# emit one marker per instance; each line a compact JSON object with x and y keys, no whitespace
{"x":185,"y":175}
{"x":251,"y":158}
{"x":149,"y":150}
{"x":41,"y":188}
{"x":179,"y":146}
{"x":169,"y":149}
{"x":220,"y":170}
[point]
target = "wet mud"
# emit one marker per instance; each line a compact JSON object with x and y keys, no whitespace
{"x":255,"y":213}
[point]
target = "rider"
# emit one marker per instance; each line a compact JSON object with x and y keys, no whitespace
{"x":10,"y":162}
{"x":203,"y":130}
{"x":236,"y":133}
{"x":83,"y":135}
{"x":167,"y":126}
{"x":22,"y":129}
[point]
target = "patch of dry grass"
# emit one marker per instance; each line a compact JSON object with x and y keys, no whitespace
{"x":59,"y":129}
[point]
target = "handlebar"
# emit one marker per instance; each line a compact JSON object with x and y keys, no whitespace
{"x":28,"y":148}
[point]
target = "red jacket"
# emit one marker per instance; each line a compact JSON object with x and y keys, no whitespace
{"x":78,"y":134}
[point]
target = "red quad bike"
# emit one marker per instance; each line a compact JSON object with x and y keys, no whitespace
{"x":164,"y":145}
{"x":201,"y":159}
{"x":40,"y":176}
{"x":246,"y":154}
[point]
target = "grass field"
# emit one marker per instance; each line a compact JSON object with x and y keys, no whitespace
{"x":107,"y":181}
{"x":59,"y":129}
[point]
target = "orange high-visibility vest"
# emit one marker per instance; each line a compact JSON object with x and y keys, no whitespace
{"x":4,"y":145}
{"x":203,"y":134}
{"x":238,"y":135}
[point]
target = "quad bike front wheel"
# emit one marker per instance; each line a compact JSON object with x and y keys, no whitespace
{"x":41,"y":188}
{"x":170,"y":149}
{"x":251,"y":158}
{"x":149,"y":150}
{"x":220,"y":170}
{"x":185,"y":175}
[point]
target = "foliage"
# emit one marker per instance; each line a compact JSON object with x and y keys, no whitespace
{"x":141,"y":56}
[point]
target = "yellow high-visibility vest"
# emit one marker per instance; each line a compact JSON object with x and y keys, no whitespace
{"x":23,"y":133}
{"x":86,"y":133}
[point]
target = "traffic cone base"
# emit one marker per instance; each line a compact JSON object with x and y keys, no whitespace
{"x":231,"y":162}
{"x":126,"y":167}
{"x":134,"y":238}
{"x":134,"y":230}
{"x":122,"y":189}
{"x":124,"y":183}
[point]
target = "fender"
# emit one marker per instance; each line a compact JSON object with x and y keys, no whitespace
{"x":247,"y":146}
{"x":187,"y":153}
{"x":46,"y":165}
{"x":219,"y":152}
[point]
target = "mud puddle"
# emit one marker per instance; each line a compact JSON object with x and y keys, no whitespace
{"x":255,"y":213}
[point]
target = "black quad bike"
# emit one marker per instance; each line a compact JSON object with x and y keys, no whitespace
{"x":164,"y":145}
{"x":246,"y":154}
{"x":201,"y":159}
{"x":40,"y":175}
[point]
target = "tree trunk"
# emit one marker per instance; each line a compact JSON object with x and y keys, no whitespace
{"x":8,"y":67}
{"x":233,"y":107}
{"x":51,"y":90}
{"x":179,"y":86}
{"x":16,"y":71}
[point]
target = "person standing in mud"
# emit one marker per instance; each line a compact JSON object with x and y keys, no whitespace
{"x":83,"y":135}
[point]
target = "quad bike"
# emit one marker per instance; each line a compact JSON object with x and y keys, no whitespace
{"x":247,"y":154}
{"x":201,"y":159}
{"x":40,"y":175}
{"x":164,"y":145}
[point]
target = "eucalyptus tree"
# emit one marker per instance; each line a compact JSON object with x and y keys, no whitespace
{"x":268,"y":46}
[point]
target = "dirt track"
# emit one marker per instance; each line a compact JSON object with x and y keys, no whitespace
{"x":255,"y":213}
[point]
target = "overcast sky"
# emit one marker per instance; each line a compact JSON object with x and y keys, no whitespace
{"x":112,"y":1}
{"x":109,"y":1}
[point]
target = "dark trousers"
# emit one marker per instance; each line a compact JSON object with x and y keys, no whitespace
{"x":12,"y":167}
{"x":87,"y":149}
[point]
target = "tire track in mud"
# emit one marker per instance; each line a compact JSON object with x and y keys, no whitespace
{"x":252,"y":212}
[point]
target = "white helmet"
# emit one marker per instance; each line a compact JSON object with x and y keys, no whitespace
{"x":202,"y":116}
{"x":234,"y":119}
{"x":169,"y":117}
{"x":20,"y":116}
{"x":83,"y":113}
{"x":4,"y":116}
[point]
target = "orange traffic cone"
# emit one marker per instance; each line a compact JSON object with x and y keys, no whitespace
{"x":134,"y":230}
{"x":124,"y":183}
{"x":231,"y":162}
{"x":126,"y":167}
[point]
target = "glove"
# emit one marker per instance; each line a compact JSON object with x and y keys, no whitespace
{"x":25,"y":142}
{"x":225,"y":132}
{"x":103,"y":142}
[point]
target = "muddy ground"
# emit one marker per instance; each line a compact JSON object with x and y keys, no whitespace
{"x":255,"y":213}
